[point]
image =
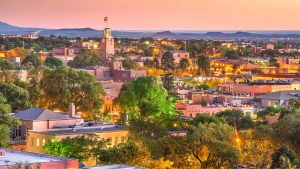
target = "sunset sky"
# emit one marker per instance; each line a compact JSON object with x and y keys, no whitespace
{"x":154,"y":14}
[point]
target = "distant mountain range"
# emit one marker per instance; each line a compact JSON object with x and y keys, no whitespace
{"x":89,"y":32}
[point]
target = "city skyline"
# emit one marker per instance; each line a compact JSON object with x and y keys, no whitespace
{"x":154,"y":15}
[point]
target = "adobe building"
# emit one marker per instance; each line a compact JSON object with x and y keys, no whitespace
{"x":10,"y":158}
{"x":37,"y":139}
{"x":255,"y":89}
{"x":114,"y":72}
{"x":38,"y":119}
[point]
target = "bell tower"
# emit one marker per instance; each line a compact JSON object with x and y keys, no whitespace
{"x":107,"y":42}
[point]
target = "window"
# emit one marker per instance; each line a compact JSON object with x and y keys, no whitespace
{"x":109,"y":140}
{"x":116,"y":140}
{"x":32,"y":142}
{"x":44,"y":142}
{"x":123,"y":139}
{"x":37,"y":142}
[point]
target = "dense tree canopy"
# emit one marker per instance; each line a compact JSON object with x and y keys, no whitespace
{"x":16,"y":97}
{"x":145,"y":97}
{"x":85,"y":58}
{"x":32,"y":61}
{"x":62,"y":86}
{"x":184,"y":64}
{"x":52,"y":62}
{"x":81,"y":147}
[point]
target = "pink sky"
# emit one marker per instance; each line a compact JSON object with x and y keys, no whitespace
{"x":154,"y":14}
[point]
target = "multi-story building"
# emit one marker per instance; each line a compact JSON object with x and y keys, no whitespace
{"x":255,"y":89}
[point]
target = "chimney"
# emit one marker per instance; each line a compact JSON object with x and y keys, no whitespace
{"x":72,"y":111}
{"x":2,"y":152}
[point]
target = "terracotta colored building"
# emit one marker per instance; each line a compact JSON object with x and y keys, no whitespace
{"x":254,"y":89}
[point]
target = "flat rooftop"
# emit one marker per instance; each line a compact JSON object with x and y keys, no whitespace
{"x":82,"y":130}
{"x":12,"y":157}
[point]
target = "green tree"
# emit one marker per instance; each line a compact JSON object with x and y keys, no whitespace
{"x":6,"y":121}
{"x":52,"y":62}
{"x":145,"y":97}
{"x":273,"y":62}
{"x":233,"y":54}
{"x":287,"y":130}
{"x":168,"y":81}
{"x":85,"y":58}
{"x":202,"y":87}
{"x":203,"y":63}
{"x":32,"y":61}
{"x":62,"y":86}
{"x":184,"y":64}
{"x":132,"y":154}
{"x":204,"y":118}
{"x":237,"y":118}
{"x":81,"y":147}
{"x":17,"y":98}
{"x":6,"y":64}
{"x":149,"y":63}
{"x":168,"y":61}
{"x":34,"y":77}
{"x":130,"y":64}
{"x":210,"y":145}
{"x":284,"y":156}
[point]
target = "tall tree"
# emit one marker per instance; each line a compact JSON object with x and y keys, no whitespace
{"x":168,"y":81}
{"x":6,"y":121}
{"x":62,"y":86}
{"x":145,"y":97}
{"x":168,"y":61}
{"x":203,"y":64}
{"x":85,"y":58}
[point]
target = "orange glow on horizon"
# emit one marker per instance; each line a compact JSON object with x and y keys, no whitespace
{"x":154,"y":14}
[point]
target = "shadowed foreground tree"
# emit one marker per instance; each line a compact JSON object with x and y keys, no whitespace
{"x":283,"y":158}
{"x":6,"y":121}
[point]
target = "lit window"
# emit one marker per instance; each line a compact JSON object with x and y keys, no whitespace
{"x":44,"y":142}
{"x":37,"y":142}
{"x":116,"y":140}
